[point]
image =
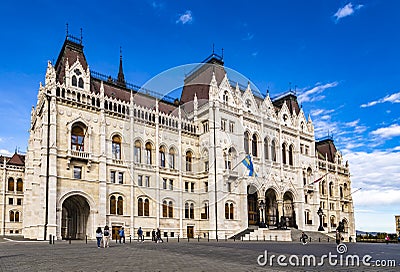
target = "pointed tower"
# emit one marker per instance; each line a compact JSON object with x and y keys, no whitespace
{"x":121,"y":77}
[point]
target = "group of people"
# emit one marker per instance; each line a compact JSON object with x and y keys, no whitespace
{"x":103,"y":237}
{"x":339,"y":238}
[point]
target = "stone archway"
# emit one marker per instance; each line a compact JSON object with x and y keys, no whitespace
{"x":75,"y":217}
{"x":288,"y":210}
{"x":271,"y":208}
{"x":252,"y":205}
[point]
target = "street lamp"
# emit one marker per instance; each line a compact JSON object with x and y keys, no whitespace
{"x":262,"y":206}
{"x":320,"y":214}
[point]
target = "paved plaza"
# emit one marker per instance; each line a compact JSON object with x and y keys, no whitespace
{"x":183,"y":256}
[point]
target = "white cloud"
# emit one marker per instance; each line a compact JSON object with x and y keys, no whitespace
{"x":314,"y":94}
{"x":392,"y":98}
{"x":5,"y":152}
{"x":185,"y":18}
{"x":387,"y":132}
{"x":157,"y":5}
{"x":248,"y":37}
{"x":254,"y":54}
{"x":345,"y":11}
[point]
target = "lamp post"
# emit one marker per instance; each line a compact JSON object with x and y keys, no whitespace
{"x":262,"y":206}
{"x":320,"y":214}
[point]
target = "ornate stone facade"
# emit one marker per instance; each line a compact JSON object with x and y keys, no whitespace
{"x":123,"y":156}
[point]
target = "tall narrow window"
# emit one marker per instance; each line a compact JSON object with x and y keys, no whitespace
{"x":147,"y":181}
{"x":266,"y":149}
{"x":12,"y":218}
{"x":146,"y":207}
{"x":331,"y":189}
{"x":170,"y":210}
{"x":284,"y":153}
{"x":80,"y":83}
{"x":19,"y":185}
{"x":77,"y":172}
{"x":192,"y":187}
{"x":16,"y":216}
{"x":191,"y":211}
{"x":11,"y":184}
{"x":246,"y":143}
{"x":74,"y":81}
{"x":162,"y":156}
{"x":77,"y":138}
{"x":164,"y":208}
{"x":231,"y":211}
{"x":171,"y":158}
{"x":189,"y":156}
{"x":254,"y":145}
{"x":113,"y":207}
{"x":273,"y":150}
{"x":137,"y":152}
{"x":148,"y":153}
{"x":112,"y":176}
{"x":291,"y":155}
{"x":140,"y":207}
{"x":120,"y":206}
{"x":186,"y":210}
{"x":226,"y":211}
{"x":121,"y":178}
{"x":164,"y":183}
{"x":140,"y":180}
{"x":116,"y":147}
{"x":171,"y":184}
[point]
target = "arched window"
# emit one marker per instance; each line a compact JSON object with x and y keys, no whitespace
{"x":137,"y":152}
{"x":189,"y":156}
{"x":146,"y":207}
{"x":113,"y":206}
{"x":225,"y":97}
{"x":291,"y":155}
{"x":20,"y":185}
{"x":191,"y":211}
{"x":162,"y":156}
{"x":171,"y":158}
{"x":266,"y":149}
{"x":341,"y":192}
{"x":80,"y":83}
{"x":11,"y":184}
{"x":186,"y":210}
{"x":284,"y":153}
{"x":74,"y":81}
{"x":148,"y":153}
{"x":333,"y":219}
{"x":226,"y":211}
{"x":120,"y":206}
{"x":170,"y":209}
{"x":273,"y":150}
{"x":331,"y":189}
{"x":12,"y":218}
{"x":16,"y":217}
{"x":116,"y":147}
{"x":78,"y":138}
{"x":322,"y":189}
{"x":164,"y":208}
{"x":231,"y":211}
{"x":140,"y":207}
{"x":205,"y":215}
{"x":254,"y":143}
{"x":246,"y":142}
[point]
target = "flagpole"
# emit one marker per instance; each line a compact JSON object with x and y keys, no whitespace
{"x":353,"y":192}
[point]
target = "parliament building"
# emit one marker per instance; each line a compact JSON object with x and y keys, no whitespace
{"x":102,"y":152}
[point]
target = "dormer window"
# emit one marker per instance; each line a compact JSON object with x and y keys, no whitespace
{"x":77,"y":80}
{"x":285,"y":117}
{"x":248,"y":103}
{"x":225,"y":97}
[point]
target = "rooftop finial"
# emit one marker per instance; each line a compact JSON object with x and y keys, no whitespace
{"x":213,"y":48}
{"x":66,"y":30}
{"x":295,"y":89}
{"x":81,"y":35}
{"x":120,"y":52}
{"x":290,"y":86}
{"x":222,"y":53}
{"x":121,"y":77}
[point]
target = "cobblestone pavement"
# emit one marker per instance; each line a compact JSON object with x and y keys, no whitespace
{"x":172,"y":256}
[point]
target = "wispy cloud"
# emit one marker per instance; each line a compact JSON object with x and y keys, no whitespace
{"x":387,"y":132}
{"x":5,"y":152}
{"x":157,"y":5}
{"x":392,"y":98}
{"x":254,"y":54}
{"x":345,"y":11}
{"x":185,"y":18}
{"x":314,"y":94}
{"x":248,"y":37}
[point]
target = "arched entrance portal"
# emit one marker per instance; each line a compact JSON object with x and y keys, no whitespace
{"x":288,"y":210}
{"x":75,"y":216}
{"x":271,"y":208}
{"x":252,"y":205}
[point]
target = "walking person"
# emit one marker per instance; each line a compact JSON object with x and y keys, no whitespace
{"x":140,"y":235}
{"x":339,"y":237}
{"x":99,"y":236}
{"x":387,"y":239}
{"x":121,"y":235}
{"x":153,"y":235}
{"x":158,"y":233}
{"x":106,"y":236}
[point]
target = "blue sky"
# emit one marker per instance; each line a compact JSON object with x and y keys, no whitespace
{"x":342,"y":57}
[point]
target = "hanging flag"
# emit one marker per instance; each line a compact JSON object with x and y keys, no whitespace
{"x":320,"y":179}
{"x":249,"y":164}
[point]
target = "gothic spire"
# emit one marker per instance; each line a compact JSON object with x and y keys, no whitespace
{"x":121,"y":77}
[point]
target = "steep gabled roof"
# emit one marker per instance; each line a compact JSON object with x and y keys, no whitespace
{"x":70,"y":51}
{"x":17,"y":159}
{"x":326,"y":148}
{"x":291,"y":101}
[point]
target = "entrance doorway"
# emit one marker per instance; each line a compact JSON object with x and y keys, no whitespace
{"x":288,"y":210}
{"x":190,"y":231}
{"x":252,"y":205}
{"x":75,"y":217}
{"x":271,"y":208}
